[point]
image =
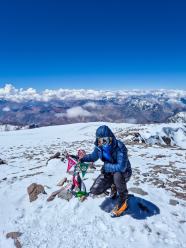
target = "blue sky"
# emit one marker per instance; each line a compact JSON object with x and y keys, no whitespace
{"x":93,"y":44}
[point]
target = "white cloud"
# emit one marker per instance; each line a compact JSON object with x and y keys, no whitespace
{"x":6,"y":109}
{"x":59,"y":115}
{"x":131,"y":120}
{"x":176,"y":101}
{"x":90,"y":105}
{"x":9,"y":92}
{"x":77,"y":111}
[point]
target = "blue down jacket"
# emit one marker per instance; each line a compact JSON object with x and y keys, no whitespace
{"x":120,"y":162}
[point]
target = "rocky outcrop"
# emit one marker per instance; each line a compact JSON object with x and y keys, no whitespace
{"x":167,"y":136}
{"x":179,"y":117}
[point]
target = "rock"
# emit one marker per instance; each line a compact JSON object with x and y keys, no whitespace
{"x":182,"y":221}
{"x":53,"y":195}
{"x":180,"y":195}
{"x":138,"y":191}
{"x":62,"y":181}
{"x":137,"y":138}
{"x":148,"y":228}
{"x":175,"y":214}
{"x":34,"y":190}
{"x":159,"y":156}
{"x":31,"y":126}
{"x":2,"y":161}
{"x":145,"y":174}
{"x":65,"y":194}
{"x":167,"y":140}
{"x":173,"y":202}
{"x":17,"y":243}
{"x":82,"y":198}
{"x":14,"y":236}
{"x":136,"y":183}
{"x":56,"y":155}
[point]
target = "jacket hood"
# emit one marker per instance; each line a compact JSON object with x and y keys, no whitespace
{"x":104,"y":131}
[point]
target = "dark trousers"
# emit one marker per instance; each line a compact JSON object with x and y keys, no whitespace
{"x":104,"y":182}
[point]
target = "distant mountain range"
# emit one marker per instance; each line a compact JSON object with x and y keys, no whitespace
{"x":52,"y":107}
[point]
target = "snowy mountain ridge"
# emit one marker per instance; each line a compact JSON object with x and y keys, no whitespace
{"x":179,"y":117}
{"x":21,"y":107}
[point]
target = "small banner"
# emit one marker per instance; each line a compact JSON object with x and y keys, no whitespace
{"x":80,"y":194}
{"x":83,"y":168}
{"x":71,"y":163}
{"x":76,"y":180}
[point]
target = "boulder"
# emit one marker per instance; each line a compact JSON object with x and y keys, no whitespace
{"x":53,"y":195}
{"x":34,"y":190}
{"x":14,"y":236}
{"x":62,"y":181}
{"x":65,"y":194}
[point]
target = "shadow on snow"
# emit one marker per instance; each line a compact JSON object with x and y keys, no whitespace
{"x":138,"y":207}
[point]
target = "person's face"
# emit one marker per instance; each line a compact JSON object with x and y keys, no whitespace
{"x":104,"y":141}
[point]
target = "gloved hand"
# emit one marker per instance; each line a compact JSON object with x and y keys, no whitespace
{"x":81,"y":154}
{"x":103,"y":170}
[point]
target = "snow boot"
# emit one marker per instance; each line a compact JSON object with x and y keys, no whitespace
{"x":120,"y":208}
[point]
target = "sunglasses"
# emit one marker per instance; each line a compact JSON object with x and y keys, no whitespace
{"x":104,"y":140}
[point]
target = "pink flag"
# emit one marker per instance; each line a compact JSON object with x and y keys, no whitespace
{"x":71,"y":163}
{"x":75,"y":181}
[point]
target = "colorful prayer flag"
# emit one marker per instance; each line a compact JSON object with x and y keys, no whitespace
{"x":76,"y":180}
{"x":83,"y":168}
{"x":80,"y":194}
{"x":71,"y":163}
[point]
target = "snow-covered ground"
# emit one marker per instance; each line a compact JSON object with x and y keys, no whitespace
{"x":158,"y":181}
{"x":8,"y":127}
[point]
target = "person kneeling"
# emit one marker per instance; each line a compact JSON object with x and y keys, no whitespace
{"x":116,"y":170}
